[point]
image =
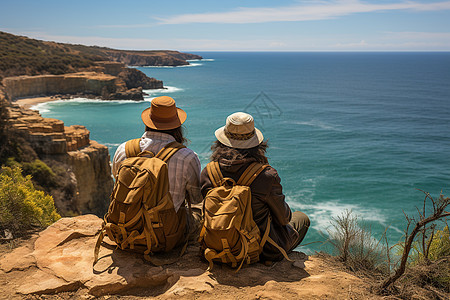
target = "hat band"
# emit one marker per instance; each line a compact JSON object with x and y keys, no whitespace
{"x":239,"y":136}
{"x":163,"y":120}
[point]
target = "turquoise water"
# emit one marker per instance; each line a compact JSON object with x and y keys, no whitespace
{"x":359,"y":131}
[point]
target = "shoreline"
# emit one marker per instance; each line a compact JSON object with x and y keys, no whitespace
{"x":32,"y":101}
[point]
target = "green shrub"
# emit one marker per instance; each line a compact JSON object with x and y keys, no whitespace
{"x":440,"y":245}
{"x":435,"y":268}
{"x":41,"y":173}
{"x":12,"y":163}
{"x":21,"y":205}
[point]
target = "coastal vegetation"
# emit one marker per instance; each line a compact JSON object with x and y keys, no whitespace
{"x":24,"y":56}
{"x":20,"y":55}
{"x":22,"y":206}
{"x":418,"y":266}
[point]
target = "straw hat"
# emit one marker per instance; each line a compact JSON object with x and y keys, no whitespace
{"x":163,"y":114}
{"x":239,"y":132}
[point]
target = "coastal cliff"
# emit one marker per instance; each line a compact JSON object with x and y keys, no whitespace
{"x":30,"y":67}
{"x":109,"y":81}
{"x":20,"y":55}
{"x":151,"y":58}
{"x":92,"y":170}
{"x":44,"y":85}
{"x":85,"y":162}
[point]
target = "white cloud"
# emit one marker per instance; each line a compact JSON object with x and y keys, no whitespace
{"x":318,"y":10}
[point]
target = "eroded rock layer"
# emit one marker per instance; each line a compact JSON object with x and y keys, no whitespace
{"x":87,"y":160}
{"x":110,"y":81}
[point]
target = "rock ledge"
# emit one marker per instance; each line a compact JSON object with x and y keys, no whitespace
{"x":60,"y":260}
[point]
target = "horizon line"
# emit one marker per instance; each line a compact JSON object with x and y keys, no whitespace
{"x":303,"y":50}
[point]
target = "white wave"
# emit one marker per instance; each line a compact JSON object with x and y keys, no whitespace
{"x":203,"y":59}
{"x":45,"y":107}
{"x":41,"y":107}
{"x":87,"y":100}
{"x":182,"y":66}
{"x":307,"y":193}
{"x":190,"y":65}
{"x":111,"y":144}
{"x":318,"y":124}
{"x":165,"y":90}
{"x":321,"y":213}
{"x":153,"y":67}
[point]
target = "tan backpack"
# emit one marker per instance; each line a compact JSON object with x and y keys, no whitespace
{"x":229,"y":234}
{"x":141,"y":216}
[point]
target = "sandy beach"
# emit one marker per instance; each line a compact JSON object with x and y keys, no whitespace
{"x":29,"y":102}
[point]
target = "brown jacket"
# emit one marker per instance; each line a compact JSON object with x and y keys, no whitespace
{"x":267,"y":199}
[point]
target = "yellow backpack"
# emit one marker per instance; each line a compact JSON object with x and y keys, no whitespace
{"x":141,"y":216}
{"x":229,"y":233}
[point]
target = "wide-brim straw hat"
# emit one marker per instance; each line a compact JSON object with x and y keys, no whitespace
{"x":163,"y":114}
{"x":239,"y":132}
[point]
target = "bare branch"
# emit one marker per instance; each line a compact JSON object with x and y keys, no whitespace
{"x":438,"y":213}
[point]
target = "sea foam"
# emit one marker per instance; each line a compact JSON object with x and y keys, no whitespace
{"x":45,"y":107}
{"x":318,"y":124}
{"x":165,"y":90}
{"x":203,"y":59}
{"x":323,"y":212}
{"x":182,"y":66}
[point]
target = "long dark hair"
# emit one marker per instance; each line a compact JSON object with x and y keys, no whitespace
{"x":177,"y":133}
{"x":222,"y":151}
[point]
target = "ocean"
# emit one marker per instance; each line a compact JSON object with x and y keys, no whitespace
{"x":364,"y":132}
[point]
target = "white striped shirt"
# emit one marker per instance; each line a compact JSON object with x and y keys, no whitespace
{"x":184,"y":167}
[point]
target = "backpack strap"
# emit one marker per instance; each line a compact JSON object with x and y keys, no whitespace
{"x":247,"y":178}
{"x":214,"y":173}
{"x":251,"y":173}
{"x":167,"y":151}
{"x":132,"y":148}
{"x":266,"y":238}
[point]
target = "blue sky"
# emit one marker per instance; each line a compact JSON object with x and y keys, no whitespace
{"x":245,"y":25}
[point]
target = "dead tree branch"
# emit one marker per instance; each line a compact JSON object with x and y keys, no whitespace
{"x":439,"y":212}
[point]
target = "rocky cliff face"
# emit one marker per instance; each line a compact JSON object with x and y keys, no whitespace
{"x":87,"y":161}
{"x":86,"y":83}
{"x":94,"y":183}
{"x":134,"y":78}
{"x":150,"y":58}
{"x":110,"y":81}
{"x":184,"y":56}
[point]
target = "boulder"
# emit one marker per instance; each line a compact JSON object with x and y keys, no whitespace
{"x":131,"y":94}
